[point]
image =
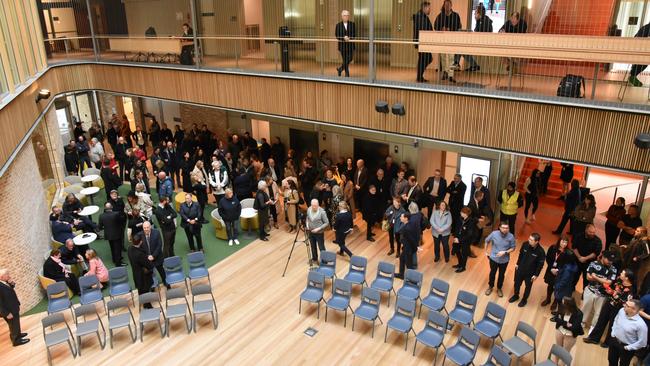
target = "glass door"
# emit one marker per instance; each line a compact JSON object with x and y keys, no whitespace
{"x":470,"y":169}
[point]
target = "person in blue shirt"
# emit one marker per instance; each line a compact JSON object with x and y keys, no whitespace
{"x":501,"y":243}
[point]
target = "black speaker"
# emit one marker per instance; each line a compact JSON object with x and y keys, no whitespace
{"x":381,"y":106}
{"x":398,"y":109}
{"x":642,"y":141}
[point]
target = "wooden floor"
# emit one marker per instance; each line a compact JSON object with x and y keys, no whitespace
{"x":260,"y":324}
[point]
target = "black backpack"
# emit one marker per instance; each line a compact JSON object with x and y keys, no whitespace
{"x":570,"y":86}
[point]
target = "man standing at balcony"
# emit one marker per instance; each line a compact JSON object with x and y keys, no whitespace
{"x":448,"y":21}
{"x":421,"y":22}
{"x":345,"y":32}
{"x":643,"y":32}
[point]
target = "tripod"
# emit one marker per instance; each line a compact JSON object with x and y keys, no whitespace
{"x":305,"y":240}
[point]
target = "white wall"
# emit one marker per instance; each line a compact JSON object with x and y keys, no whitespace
{"x":166,"y":16}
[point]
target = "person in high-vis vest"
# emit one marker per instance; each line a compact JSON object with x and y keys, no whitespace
{"x":510,"y":201}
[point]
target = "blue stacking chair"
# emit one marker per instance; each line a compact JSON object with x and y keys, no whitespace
{"x":314,"y":290}
{"x":357,"y":273}
{"x":402,"y":320}
{"x":433,"y":333}
{"x":463,"y":312}
{"x":173,"y":267}
{"x":560,"y":353}
{"x":57,"y":298}
{"x":498,"y":357}
{"x":91,"y":291}
{"x":118,"y":283}
{"x":340,"y":300}
{"x":197,"y":269}
{"x":412,"y":285}
{"x":437,"y":297}
{"x":88,"y":327}
{"x":327,"y":265}
{"x":200,"y":306}
{"x":463,"y":352}
{"x":58,"y":336}
{"x":385,"y":279}
{"x":153,"y":314}
{"x":518,"y":346}
{"x":492,"y":322}
{"x":117,"y":319}
{"x":369,"y":308}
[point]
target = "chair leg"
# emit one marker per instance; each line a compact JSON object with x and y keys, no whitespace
{"x":325,"y":314}
{"x":188,"y":324}
{"x":354,"y":316}
{"x":79,"y":346}
{"x":435,"y":357}
{"x":388,"y":299}
{"x":420,"y":313}
{"x":103,"y":344}
{"x":110,"y":332}
{"x":299,"y":305}
{"x":141,"y":330}
{"x":345,"y":319}
{"x":49,"y":357}
{"x":318,"y":310}
{"x":373,"y":329}
{"x":162,"y":333}
{"x":415,"y":345}
{"x":72,"y":349}
{"x":406,"y":344}
{"x":134,"y":337}
{"x":385,"y":334}
{"x":445,"y":358}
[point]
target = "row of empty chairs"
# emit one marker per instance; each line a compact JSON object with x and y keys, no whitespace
{"x":118,"y":309}
{"x":405,"y":310}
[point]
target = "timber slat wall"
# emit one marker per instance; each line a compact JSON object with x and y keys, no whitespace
{"x":599,"y":137}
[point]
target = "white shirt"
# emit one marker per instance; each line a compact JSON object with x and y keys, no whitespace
{"x":345,"y":24}
{"x":436,"y":185}
{"x":631,"y":331}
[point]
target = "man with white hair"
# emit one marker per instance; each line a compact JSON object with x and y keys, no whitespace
{"x":96,"y":152}
{"x":315,"y":224}
{"x":10,"y":308}
{"x":262,"y":203}
{"x":345,"y":32}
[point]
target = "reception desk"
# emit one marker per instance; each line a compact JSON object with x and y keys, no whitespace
{"x":149,"y":49}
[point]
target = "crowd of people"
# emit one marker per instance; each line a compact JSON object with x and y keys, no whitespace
{"x":315,"y":193}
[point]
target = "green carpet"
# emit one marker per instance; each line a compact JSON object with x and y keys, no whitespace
{"x":215,"y":249}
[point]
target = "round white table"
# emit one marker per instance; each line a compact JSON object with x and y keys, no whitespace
{"x":84,"y":239}
{"x":90,"y":178}
{"x":247,"y":214}
{"x":89,"y":210}
{"x":90,"y":191}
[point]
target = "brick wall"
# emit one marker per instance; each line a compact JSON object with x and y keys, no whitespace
{"x":24,"y":226}
{"x":216,"y":120}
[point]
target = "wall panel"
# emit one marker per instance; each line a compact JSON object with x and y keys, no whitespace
{"x":600,"y":137}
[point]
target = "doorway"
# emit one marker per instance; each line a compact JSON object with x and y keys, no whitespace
{"x":301,"y":142}
{"x":127,"y":103}
{"x":472,"y":168}
{"x":374,"y":153}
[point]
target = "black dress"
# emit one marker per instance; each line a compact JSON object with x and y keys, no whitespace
{"x":142,"y":269}
{"x":186,"y":168}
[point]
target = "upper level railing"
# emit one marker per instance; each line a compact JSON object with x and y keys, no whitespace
{"x":385,"y":61}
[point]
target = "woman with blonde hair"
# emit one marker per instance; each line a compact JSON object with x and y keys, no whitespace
{"x":96,"y":267}
{"x":145,"y":200}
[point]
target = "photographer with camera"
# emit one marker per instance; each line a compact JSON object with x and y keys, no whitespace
{"x":315,"y":224}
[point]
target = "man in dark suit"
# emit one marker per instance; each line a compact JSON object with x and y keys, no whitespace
{"x":61,"y":230}
{"x":191,"y":222}
{"x":360,"y":183}
{"x":421,"y":22}
{"x":478,"y":186}
{"x":390,"y":169}
{"x":113,"y":226}
{"x":10,"y":308}
{"x":170,"y":158}
{"x":152,"y":243}
{"x":345,"y":32}
{"x":111,"y":180}
{"x":414,"y":193}
{"x":383,"y":187}
{"x":54,"y":269}
{"x":141,"y":266}
{"x":435,"y":189}
{"x":456,"y":192}
{"x":139,"y":177}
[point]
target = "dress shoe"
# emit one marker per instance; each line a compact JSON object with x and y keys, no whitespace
{"x":456,"y":266}
{"x":555,"y":232}
{"x":370,"y":239}
{"x":513,"y":298}
{"x":21,"y":341}
{"x":604,"y":345}
{"x":554,"y":319}
{"x":452,"y":80}
{"x":390,"y":252}
{"x":460,"y":269}
{"x":522,"y":303}
{"x":436,"y":260}
{"x":546,"y":302}
{"x":446,"y":260}
{"x":340,"y":253}
{"x":265,"y":239}
{"x":339,"y":70}
{"x":589,"y":340}
{"x":400,"y":276}
{"x":23,"y":335}
{"x":236,"y":241}
{"x":488,"y":291}
{"x":474,"y":68}
{"x":499,"y":292}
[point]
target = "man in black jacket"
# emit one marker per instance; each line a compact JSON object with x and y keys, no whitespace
{"x":111,"y":180}
{"x":448,"y":21}
{"x":421,"y":22}
{"x":152,"y":243}
{"x":191,"y":222}
{"x":345,"y":32}
{"x":170,"y":157}
{"x":456,"y":192}
{"x":111,"y":222}
{"x":435,"y":189}
{"x":167,"y":221}
{"x":141,"y":267}
{"x":465,"y":235}
{"x":529,"y":265}
{"x":643,"y":32}
{"x":410,"y":236}
{"x":10,"y":308}
{"x":230,"y":211}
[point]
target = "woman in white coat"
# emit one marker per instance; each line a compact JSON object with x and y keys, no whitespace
{"x":218,"y":179}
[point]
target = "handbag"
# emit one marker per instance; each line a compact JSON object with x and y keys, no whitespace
{"x":385,"y":226}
